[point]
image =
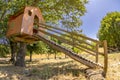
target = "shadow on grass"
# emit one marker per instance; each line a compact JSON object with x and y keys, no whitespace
{"x":42,"y":71}
{"x":50,"y":70}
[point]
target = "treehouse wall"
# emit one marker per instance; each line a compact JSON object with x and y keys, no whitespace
{"x":14,"y":25}
{"x":29,"y":19}
{"x":21,"y":24}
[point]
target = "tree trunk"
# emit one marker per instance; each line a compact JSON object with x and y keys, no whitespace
{"x":30,"y":56}
{"x":13,"y":46}
{"x":20,"y":58}
{"x":65,"y":56}
{"x":48,"y":57}
{"x":55,"y":55}
{"x":118,"y":45}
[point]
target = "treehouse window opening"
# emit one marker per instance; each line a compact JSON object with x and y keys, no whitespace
{"x":35,"y":26}
{"x":29,"y":13}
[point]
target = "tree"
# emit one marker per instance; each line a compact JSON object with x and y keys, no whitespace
{"x":14,"y":48}
{"x":110,"y":29}
{"x":55,"y":10}
{"x":31,"y":48}
{"x":20,"y":58}
{"x":52,"y":50}
{"x":38,"y":48}
{"x":52,"y":10}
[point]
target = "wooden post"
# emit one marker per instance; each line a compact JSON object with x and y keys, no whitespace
{"x":97,"y":46}
{"x":105,"y":57}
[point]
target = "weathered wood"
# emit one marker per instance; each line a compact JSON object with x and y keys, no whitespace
{"x":97,"y":54}
{"x":50,"y":34}
{"x":87,"y":38}
{"x":56,"y":31}
{"x":76,"y":44}
{"x":105,"y":57}
{"x":21,"y":23}
{"x":81,"y":47}
{"x":70,"y":53}
{"x":66,"y":35}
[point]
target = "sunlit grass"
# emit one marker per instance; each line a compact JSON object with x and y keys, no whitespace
{"x":61,"y":68}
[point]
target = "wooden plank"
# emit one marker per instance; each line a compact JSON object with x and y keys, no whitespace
{"x":82,"y":45}
{"x":68,"y":42}
{"x":70,"y":53}
{"x":97,"y":42}
{"x":87,"y":38}
{"x":63,"y":34}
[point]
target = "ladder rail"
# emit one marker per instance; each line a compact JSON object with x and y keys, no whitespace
{"x":71,"y":54}
{"x":81,"y":47}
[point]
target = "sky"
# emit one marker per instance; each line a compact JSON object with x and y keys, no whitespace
{"x":96,"y":10}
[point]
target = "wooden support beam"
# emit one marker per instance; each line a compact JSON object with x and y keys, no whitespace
{"x":97,"y":54}
{"x":105,"y":57}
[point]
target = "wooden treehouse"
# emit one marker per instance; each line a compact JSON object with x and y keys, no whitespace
{"x":21,"y":25}
{"x":27,"y":25}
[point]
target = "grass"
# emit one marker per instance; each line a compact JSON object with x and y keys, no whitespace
{"x":114,"y":66}
{"x":59,"y":69}
{"x":55,"y":69}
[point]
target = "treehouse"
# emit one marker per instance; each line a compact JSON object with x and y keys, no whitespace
{"x":22,"y":27}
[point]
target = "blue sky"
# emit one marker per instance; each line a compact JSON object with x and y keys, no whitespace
{"x":96,"y":10}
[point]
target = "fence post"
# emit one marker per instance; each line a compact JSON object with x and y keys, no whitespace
{"x":105,"y":57}
{"x":97,"y":46}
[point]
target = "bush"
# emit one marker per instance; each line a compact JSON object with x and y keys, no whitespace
{"x":4,"y":50}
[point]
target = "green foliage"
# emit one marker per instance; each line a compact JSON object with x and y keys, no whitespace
{"x":38,"y":48}
{"x":42,"y":47}
{"x":76,"y":50}
{"x":4,"y":50}
{"x":110,"y":29}
{"x":52,"y":50}
{"x":3,"y":27}
{"x":73,"y":39}
{"x":53,"y":11}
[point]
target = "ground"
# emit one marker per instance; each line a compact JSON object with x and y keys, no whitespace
{"x":114,"y":67}
{"x":55,"y":69}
